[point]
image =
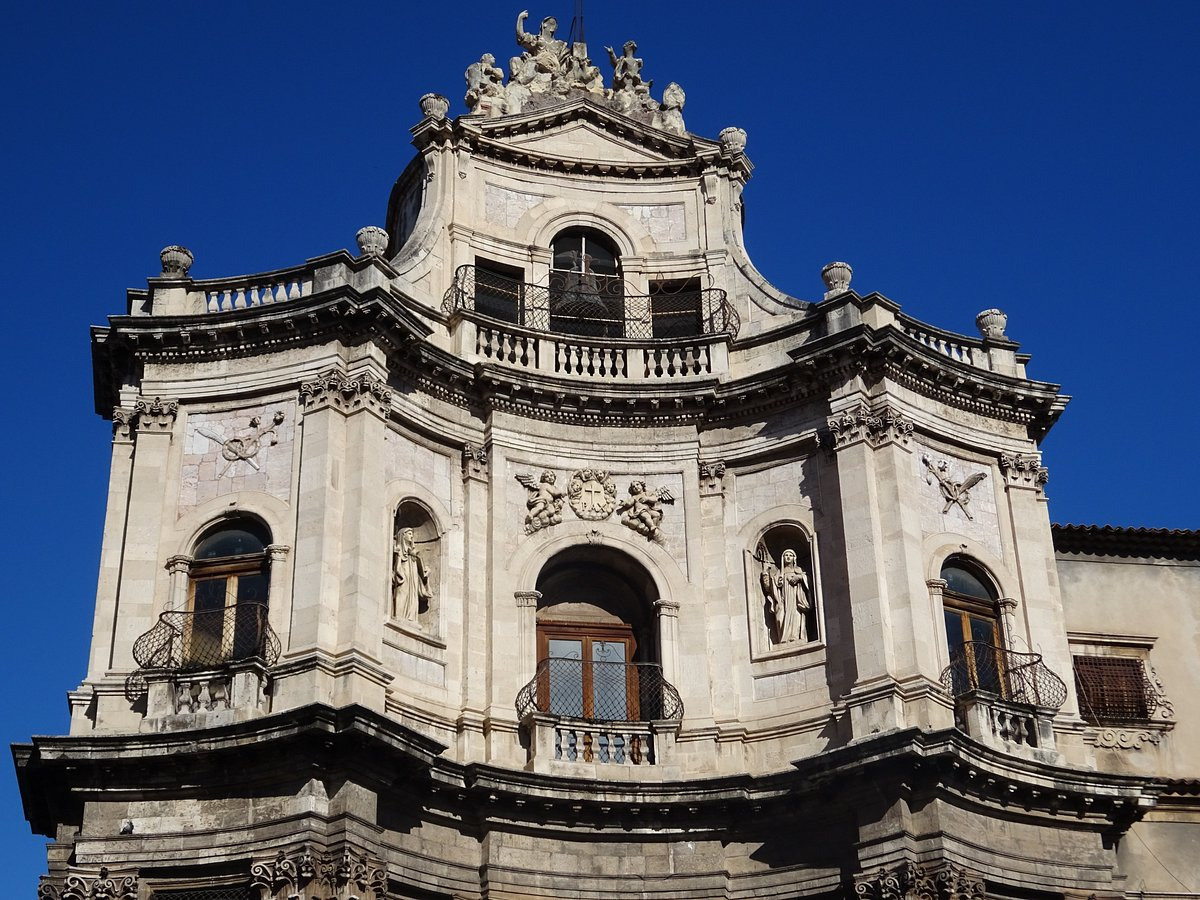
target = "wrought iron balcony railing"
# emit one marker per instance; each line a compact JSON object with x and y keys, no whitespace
{"x":191,"y":641}
{"x":600,"y":692}
{"x":1020,"y":678}
{"x":587,"y":305}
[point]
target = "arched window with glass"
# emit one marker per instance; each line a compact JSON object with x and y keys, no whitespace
{"x":587,"y":294}
{"x":227,"y":594}
{"x":973,"y":634}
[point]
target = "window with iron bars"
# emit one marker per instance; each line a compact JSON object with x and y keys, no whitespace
{"x":1114,"y":690}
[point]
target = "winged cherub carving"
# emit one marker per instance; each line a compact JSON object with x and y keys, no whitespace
{"x":544,"y":501}
{"x":642,"y":510}
{"x":953,"y":492}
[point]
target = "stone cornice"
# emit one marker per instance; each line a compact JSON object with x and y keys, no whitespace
{"x":59,"y":772}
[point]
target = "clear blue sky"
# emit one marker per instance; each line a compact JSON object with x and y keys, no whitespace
{"x":1039,"y":157}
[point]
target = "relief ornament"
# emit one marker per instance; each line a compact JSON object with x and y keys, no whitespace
{"x":592,"y":494}
{"x":953,"y":492}
{"x":642,"y":510}
{"x":247,"y":447}
{"x":544,"y":501}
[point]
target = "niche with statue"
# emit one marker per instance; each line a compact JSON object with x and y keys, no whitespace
{"x":782,"y":589}
{"x":415,"y":571}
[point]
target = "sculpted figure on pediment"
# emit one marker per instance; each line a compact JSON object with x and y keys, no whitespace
{"x":669,"y":116}
{"x":485,"y":87}
{"x":547,"y":52}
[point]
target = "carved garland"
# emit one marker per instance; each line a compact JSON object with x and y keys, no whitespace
{"x":312,"y":875}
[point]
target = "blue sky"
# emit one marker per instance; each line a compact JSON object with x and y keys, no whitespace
{"x":1038,"y":157}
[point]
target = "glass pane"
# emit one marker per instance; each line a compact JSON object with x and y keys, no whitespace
{"x":236,"y":541}
{"x":954,"y":632}
{"x":207,"y":625}
{"x":609,"y":684}
{"x":987,"y":659}
{"x":566,"y":678}
{"x":251,"y":616}
{"x":961,"y":581}
{"x":960,"y":670}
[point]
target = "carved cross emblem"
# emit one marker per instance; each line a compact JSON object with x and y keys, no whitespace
{"x":953,"y":492}
{"x":246,"y":447}
{"x":592,"y":494}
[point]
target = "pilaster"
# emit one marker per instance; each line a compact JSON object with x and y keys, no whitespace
{"x":478,"y":539}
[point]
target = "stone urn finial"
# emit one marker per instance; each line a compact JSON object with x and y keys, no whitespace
{"x":434,"y":106}
{"x":372,"y":241}
{"x":991,"y":324}
{"x":836,"y":276}
{"x":733,"y":139}
{"x":176,"y":261}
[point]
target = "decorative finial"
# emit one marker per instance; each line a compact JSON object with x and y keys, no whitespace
{"x":991,"y":324}
{"x":733,"y":139}
{"x":372,"y":241}
{"x":176,"y":261}
{"x":434,"y":106}
{"x":836,"y":276}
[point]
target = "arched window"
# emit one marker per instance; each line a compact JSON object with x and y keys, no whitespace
{"x":597,"y":646}
{"x":587,"y":295}
{"x":227,"y":594}
{"x":972,"y":618}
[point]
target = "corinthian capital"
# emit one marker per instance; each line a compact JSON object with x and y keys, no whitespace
{"x":1024,"y":470}
{"x":346,"y":393}
{"x":875,"y":426}
{"x":155,"y":414}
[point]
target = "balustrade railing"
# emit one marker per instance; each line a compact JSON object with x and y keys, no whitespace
{"x":1018,"y":678}
{"x":594,"y":691}
{"x":246,"y":291}
{"x":955,"y":346}
{"x":592,"y":306}
{"x":192,"y":641}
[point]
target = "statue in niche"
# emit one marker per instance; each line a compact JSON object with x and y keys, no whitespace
{"x":546,"y":51}
{"x":544,"y":501}
{"x":485,"y":87}
{"x":642,"y":510}
{"x":410,"y":578}
{"x":788,"y":595}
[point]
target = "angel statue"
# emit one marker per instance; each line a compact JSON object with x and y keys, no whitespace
{"x":643,"y":512}
{"x":787,"y":593}
{"x":544,"y":501}
{"x":410,"y":578}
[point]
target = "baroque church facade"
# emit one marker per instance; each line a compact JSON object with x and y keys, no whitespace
{"x":543,"y":549}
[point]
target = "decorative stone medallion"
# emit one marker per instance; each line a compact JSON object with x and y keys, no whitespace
{"x":244,"y":448}
{"x":592,"y":494}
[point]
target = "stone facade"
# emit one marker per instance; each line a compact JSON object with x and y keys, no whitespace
{"x":544,"y":549}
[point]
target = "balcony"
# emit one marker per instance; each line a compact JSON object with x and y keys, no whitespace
{"x":1004,"y":698}
{"x":211,"y":663}
{"x":590,"y":326}
{"x":601,"y":713}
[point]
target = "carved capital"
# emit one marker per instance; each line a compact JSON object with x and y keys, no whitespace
{"x":666,"y":609}
{"x":876,"y":427}
{"x":155,"y":414}
{"x":346,"y":393}
{"x":1024,"y":470}
{"x":937,"y":587}
{"x":712,"y":478}
{"x":179,"y":565}
{"x":99,"y":886}
{"x":309,"y":874}
{"x":277,"y":553}
{"x":123,"y":420}
{"x":939,"y":881}
{"x":527,"y":599}
{"x":474,"y":462}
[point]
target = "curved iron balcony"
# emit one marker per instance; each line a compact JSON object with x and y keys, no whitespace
{"x":587,"y":305}
{"x":190,"y":641}
{"x":1020,"y":678}
{"x":600,"y":692}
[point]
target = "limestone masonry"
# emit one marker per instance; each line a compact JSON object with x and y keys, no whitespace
{"x":544,"y":550}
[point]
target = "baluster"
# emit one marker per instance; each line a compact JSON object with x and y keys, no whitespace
{"x":588,"y":755}
{"x":572,"y":746}
{"x":294,"y":291}
{"x":635,"y":750}
{"x":239,"y":299}
{"x":558,"y":743}
{"x":603,"y":741}
{"x":212,"y":302}
{"x":619,"y":747}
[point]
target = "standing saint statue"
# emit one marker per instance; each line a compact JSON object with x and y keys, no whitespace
{"x":788,"y":597}
{"x":410,"y":578}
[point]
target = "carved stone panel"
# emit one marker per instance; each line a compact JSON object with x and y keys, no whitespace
{"x":244,"y":449}
{"x":592,"y":494}
{"x":956,"y":496}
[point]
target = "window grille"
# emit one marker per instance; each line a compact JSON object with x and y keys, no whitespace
{"x":1114,"y":690}
{"x":222,"y":892}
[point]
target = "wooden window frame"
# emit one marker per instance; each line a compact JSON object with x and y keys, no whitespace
{"x":588,"y":634}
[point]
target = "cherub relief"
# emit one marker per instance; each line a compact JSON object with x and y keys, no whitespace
{"x":544,"y":501}
{"x":642,"y":510}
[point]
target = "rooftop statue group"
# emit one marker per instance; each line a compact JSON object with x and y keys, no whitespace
{"x":551,"y":70}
